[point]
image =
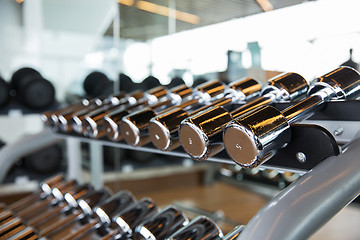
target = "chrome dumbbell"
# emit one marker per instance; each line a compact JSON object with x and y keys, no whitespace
{"x":134,"y":127}
{"x":81,"y":220}
{"x":128,"y":219}
{"x":199,"y":228}
{"x":162,"y":225}
{"x":112,"y":120}
{"x":252,"y":139}
{"x":163,"y":129}
{"x":201,"y":134}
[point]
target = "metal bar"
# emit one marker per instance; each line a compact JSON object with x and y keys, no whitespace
{"x":307,"y":204}
{"x":73,"y":147}
{"x":96,"y":165}
{"x":10,"y":153}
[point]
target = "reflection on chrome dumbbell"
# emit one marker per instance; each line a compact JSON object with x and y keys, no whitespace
{"x":134,"y":127}
{"x":163,"y":129}
{"x":92,"y":124}
{"x":61,"y":119}
{"x":28,"y":233}
{"x":55,"y":197}
{"x":162,"y":225}
{"x":233,"y":234}
{"x":112,"y":120}
{"x":201,"y":134}
{"x":11,"y":228}
{"x":128,"y":219}
{"x":252,"y":139}
{"x":50,"y":118}
{"x":45,"y":186}
{"x":104,"y":213}
{"x":109,"y":103}
{"x":200,"y":228}
{"x":80,"y":221}
{"x":53,"y":215}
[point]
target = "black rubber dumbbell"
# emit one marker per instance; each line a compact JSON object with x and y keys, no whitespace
{"x":4,"y":92}
{"x":98,"y":84}
{"x":46,"y":160}
{"x":31,"y":89}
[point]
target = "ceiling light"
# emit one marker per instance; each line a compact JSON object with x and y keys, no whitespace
{"x":265,"y":5}
{"x":126,"y":2}
{"x":162,"y":10}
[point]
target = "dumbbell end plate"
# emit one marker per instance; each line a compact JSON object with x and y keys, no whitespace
{"x":130,"y":132}
{"x":240,"y":145}
{"x":160,"y":135}
{"x":193,"y":140}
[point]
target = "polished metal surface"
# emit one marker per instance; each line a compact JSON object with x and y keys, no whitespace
{"x":163,"y":128}
{"x":50,"y":118}
{"x":134,"y":127}
{"x":206,"y":127}
{"x":201,"y":228}
{"x":252,"y":139}
{"x":233,"y":234}
{"x":114,"y":205}
{"x":195,"y":132}
{"x":93,"y":121}
{"x":243,"y":89}
{"x":248,"y":143}
{"x":153,"y":95}
{"x":74,"y":195}
{"x":344,"y":81}
{"x":88,"y":202}
{"x":307,"y":204}
{"x":289,"y":85}
{"x":132,"y":124}
{"x":208,"y":90}
{"x":128,"y":219}
{"x":161,"y":225}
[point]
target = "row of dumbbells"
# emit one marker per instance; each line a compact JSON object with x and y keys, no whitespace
{"x":203,"y":119}
{"x":65,"y":210}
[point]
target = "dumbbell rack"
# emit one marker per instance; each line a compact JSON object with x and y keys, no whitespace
{"x":304,"y":206}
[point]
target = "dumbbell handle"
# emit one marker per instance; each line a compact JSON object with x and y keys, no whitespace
{"x":250,"y":106}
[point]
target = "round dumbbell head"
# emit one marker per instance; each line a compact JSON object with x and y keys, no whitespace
{"x":20,"y":74}
{"x":114,"y":205}
{"x":244,"y":89}
{"x":48,"y":184}
{"x":176,"y":81}
{"x":162,"y":225}
{"x":46,"y":160}
{"x":92,"y":81}
{"x":198,"y":81}
{"x":178,"y":93}
{"x":37,"y":92}
{"x":126,"y":83}
{"x":249,"y":139}
{"x":290,"y":86}
{"x":343,"y":81}
{"x":162,"y":126}
{"x":208,"y":90}
{"x":200,"y":228}
{"x":4,"y":92}
{"x":131,"y":124}
{"x":154,"y":94}
{"x":91,"y":200}
{"x":78,"y":192}
{"x":150,"y":82}
{"x":196,"y":131}
{"x":128,"y":219}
